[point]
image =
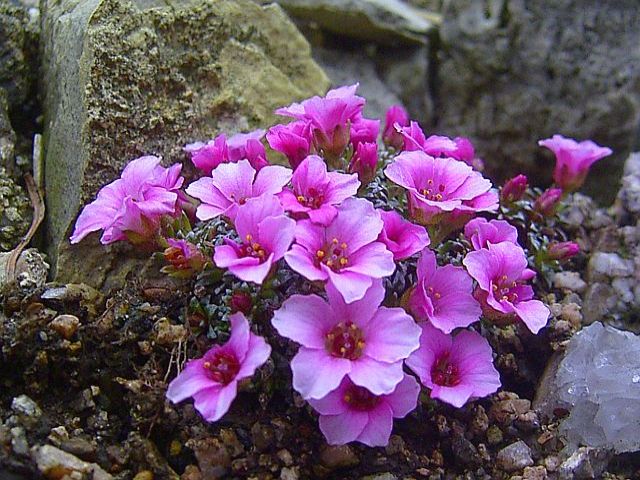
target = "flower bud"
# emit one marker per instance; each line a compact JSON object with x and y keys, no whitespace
{"x":390,"y":136}
{"x":547,"y":203}
{"x":241,"y":302}
{"x":562,"y":250}
{"x":364,"y":162}
{"x":514,"y":189}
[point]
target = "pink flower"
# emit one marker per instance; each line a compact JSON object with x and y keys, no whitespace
{"x":232,"y":184}
{"x":401,"y":237}
{"x":292,"y":140}
{"x":481,"y":232}
{"x":265,"y":235}
{"x":353,"y":414}
{"x":132,"y":206}
{"x":443,"y":296}
{"x":330,"y":118}
{"x":360,"y":340}
{"x":316,"y":191}
{"x":459,"y":148}
{"x":562,"y":250}
{"x":212,"y":380}
{"x":501,"y":270}
{"x":456,"y":368}
{"x":364,"y":130}
{"x":396,"y":115}
{"x":547,"y":203}
{"x":365,"y":162}
{"x":207,"y":156}
{"x":345,"y":253}
{"x":441,"y":185}
{"x":573,"y":160}
{"x":183,"y":258}
{"x":514,"y":189}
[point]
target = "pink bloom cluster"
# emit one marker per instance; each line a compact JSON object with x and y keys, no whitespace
{"x":132,"y":207}
{"x":319,"y":221}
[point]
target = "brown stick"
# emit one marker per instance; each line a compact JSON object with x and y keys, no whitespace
{"x":38,"y":216}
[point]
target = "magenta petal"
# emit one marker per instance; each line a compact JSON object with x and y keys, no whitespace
{"x":358,"y":223}
{"x":373,"y":260}
{"x":254,"y":211}
{"x":276,"y":235}
{"x":344,"y":428}
{"x":323,"y":215}
{"x":302,"y":262}
{"x":226,"y":255}
{"x":456,"y":396}
{"x":378,"y":377}
{"x":214,"y":203}
{"x":190,"y":381}
{"x":377,"y":431}
{"x":271,"y":179}
{"x":316,"y":373}
{"x":359,"y":312}
{"x":255,"y":273}
{"x":257,"y":354}
{"x":404,"y":398}
{"x":352,"y":286}
{"x":533,"y":313}
{"x":214,"y":402}
{"x":333,"y":403}
{"x":138,"y":172}
{"x":391,"y":335}
{"x":239,"y":338}
{"x":304,"y":319}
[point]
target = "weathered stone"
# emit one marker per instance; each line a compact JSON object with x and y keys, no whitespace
{"x":512,"y":72}
{"x":7,"y":135}
{"x":629,"y":194}
{"x":54,"y":464}
{"x":584,"y":463}
{"x":65,"y":325}
{"x":15,"y":212}
{"x":383,"y":21}
{"x":338,"y":456}
{"x":598,"y":382}
{"x":570,"y":281}
{"x":127,"y":78}
{"x":514,"y":457}
{"x":18,"y":55}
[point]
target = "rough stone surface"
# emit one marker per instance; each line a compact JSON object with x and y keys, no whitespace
{"x":387,"y":21}
{"x":54,"y":463}
{"x":7,"y":135}
{"x":15,"y":212}
{"x":514,"y":457}
{"x":584,"y":463}
{"x":629,"y":194}
{"x":598,"y":380}
{"x":145,"y":77}
{"x":511,"y":72}
{"x":18,"y":55}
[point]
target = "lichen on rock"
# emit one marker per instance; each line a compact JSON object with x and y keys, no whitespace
{"x":124,"y":79}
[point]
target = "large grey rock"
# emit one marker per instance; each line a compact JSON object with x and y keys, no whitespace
{"x":511,"y":72}
{"x":7,"y":135}
{"x":127,"y":78}
{"x":598,"y":381}
{"x":382,"y":21}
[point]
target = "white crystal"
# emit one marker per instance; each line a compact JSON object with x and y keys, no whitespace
{"x":598,"y":381}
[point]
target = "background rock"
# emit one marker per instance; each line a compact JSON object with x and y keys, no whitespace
{"x":511,"y":72}
{"x":123,"y":79}
{"x":598,"y":381}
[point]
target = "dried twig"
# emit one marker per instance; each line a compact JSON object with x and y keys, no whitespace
{"x":38,"y":216}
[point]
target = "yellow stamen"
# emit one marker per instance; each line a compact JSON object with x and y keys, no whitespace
{"x":343,"y":261}
{"x":320,"y":254}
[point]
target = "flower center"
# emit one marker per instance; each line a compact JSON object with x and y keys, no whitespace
{"x":502,"y":290}
{"x":333,"y":255}
{"x":222,"y":367}
{"x":253,"y":249}
{"x":239,"y":201}
{"x":433,"y":294}
{"x":359,"y":398}
{"x":445,"y":373}
{"x":432,"y":193}
{"x":345,"y":340}
{"x":312,"y":199}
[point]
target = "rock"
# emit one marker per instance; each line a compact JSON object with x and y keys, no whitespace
{"x":514,"y":457}
{"x":599,"y":300}
{"x":604,"y":265}
{"x":144,"y":475}
{"x":54,"y":464}
{"x":598,"y":382}
{"x":262,"y":436}
{"x":341,"y":456}
{"x":15,"y":212}
{"x":551,"y":59}
{"x":584,"y":463}
{"x":534,"y":473}
{"x":7,"y":135}
{"x":18,"y":56}
{"x":569,"y":281}
{"x":465,"y":451}
{"x":167,"y":334}
{"x":628,"y":201}
{"x":347,"y":68}
{"x":213,"y":458}
{"x":19,"y":442}
{"x":288,"y":473}
{"x":65,"y":325}
{"x":382,"y":21}
{"x":25,"y":407}
{"x":380,"y":476}
{"x":145,"y":452}
{"x":127,"y":78}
